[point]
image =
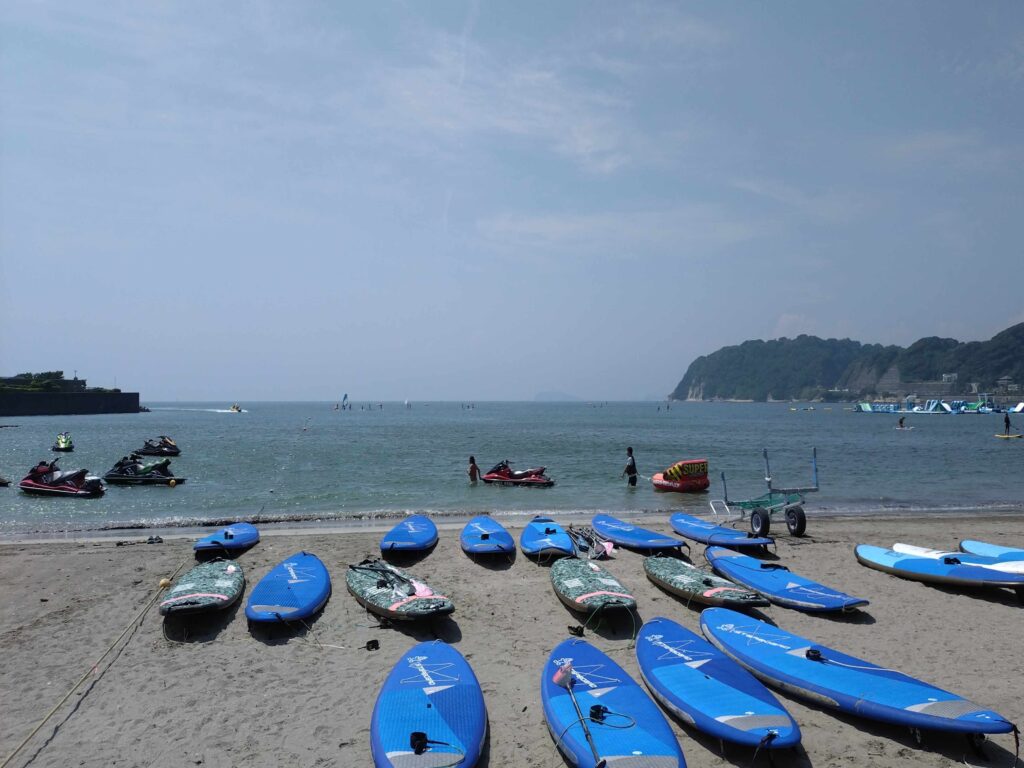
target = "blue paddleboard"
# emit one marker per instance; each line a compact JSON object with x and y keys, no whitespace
{"x":295,"y":588}
{"x":1002,"y":554}
{"x":626,"y":535}
{"x":484,"y":535}
{"x":829,"y":678}
{"x":778,"y":583}
{"x":952,"y":570}
{"x":235,"y":537}
{"x":542,"y":536}
{"x":708,"y":533}
{"x":631,"y":732}
{"x":413,"y":534}
{"x":433,"y":692}
{"x":706,"y":689}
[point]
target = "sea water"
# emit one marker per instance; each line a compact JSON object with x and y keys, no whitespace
{"x":307,"y":461}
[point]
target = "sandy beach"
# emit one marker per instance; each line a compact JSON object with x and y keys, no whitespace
{"x":216,"y":695}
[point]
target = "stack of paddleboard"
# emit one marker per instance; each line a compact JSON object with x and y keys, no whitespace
{"x":212,"y":585}
{"x":1000,"y":567}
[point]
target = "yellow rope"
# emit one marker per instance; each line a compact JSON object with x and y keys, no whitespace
{"x":92,"y":669}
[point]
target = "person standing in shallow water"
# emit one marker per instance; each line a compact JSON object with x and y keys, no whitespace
{"x":630,"y":470}
{"x":473,"y":471}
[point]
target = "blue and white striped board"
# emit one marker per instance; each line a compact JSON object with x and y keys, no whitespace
{"x":708,"y":533}
{"x":951,"y":571}
{"x":829,"y":678}
{"x":235,"y":537}
{"x":706,"y":689}
{"x":295,"y":588}
{"x":432,"y":691}
{"x":484,"y":535}
{"x":627,"y":535}
{"x":542,"y":536}
{"x":779,"y":584}
{"x":634,"y":732}
{"x":414,"y":534}
{"x":983,"y":548}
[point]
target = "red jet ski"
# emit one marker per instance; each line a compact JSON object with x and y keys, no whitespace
{"x":503,"y":474}
{"x":45,"y":479}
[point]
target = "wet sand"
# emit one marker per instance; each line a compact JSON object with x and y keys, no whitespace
{"x":214,"y":694}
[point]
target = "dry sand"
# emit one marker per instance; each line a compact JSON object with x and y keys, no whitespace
{"x":220,"y":696}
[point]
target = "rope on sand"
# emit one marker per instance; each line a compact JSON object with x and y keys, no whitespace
{"x":164,"y":583}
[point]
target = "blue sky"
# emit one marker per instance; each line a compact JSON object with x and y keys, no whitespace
{"x":483,"y":201}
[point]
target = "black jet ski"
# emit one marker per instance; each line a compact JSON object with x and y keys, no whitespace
{"x":161,"y":446}
{"x":4,"y":482}
{"x":132,"y":470}
{"x":45,"y":479}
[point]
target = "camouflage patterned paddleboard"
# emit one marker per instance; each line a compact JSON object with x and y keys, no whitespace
{"x":388,"y":591}
{"x":691,"y":583}
{"x":585,"y":586}
{"x":210,"y":586}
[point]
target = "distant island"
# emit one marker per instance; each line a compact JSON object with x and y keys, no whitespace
{"x":810,"y":368}
{"x":50,"y":394}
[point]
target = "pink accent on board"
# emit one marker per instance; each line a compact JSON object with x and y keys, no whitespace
{"x":400,"y":603}
{"x":422,"y":590}
{"x":581,"y":598}
{"x":194,"y":594}
{"x":716,"y":590}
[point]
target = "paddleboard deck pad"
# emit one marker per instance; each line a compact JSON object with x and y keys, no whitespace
{"x":485,"y":536}
{"x":950,"y":571}
{"x":388,"y":591}
{"x":829,"y":678}
{"x":210,"y":586}
{"x":705,"y":532}
{"x":295,"y":588}
{"x":414,"y":534}
{"x":779,"y":584}
{"x":430,"y":704}
{"x":543,"y":537}
{"x":627,"y":535}
{"x":692,"y":583}
{"x":234,"y":538}
{"x":709,"y":691}
{"x":629,"y":730}
{"x":585,"y":586}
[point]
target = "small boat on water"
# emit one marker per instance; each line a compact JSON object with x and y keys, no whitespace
{"x":63,"y":443}
{"x":235,"y":408}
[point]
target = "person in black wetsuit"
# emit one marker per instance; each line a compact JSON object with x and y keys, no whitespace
{"x":630,"y":470}
{"x":1006,"y":423}
{"x":901,"y":422}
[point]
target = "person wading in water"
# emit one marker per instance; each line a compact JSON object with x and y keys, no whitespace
{"x":630,"y":470}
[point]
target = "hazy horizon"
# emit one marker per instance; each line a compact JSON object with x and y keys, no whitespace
{"x":468,"y":201}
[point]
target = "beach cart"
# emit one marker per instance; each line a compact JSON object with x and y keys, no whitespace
{"x":788,"y":501}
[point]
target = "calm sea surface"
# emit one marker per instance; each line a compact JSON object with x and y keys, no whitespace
{"x":306,"y":461}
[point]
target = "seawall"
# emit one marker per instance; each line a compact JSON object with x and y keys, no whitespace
{"x":13,"y":403}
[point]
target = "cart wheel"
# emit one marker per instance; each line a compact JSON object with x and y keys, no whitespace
{"x":760,"y":521}
{"x":796,"y":520}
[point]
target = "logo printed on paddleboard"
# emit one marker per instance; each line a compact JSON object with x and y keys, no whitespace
{"x":298,"y":575}
{"x":431,"y":674}
{"x":766,"y":638}
{"x":675,"y":649}
{"x":587,"y":675}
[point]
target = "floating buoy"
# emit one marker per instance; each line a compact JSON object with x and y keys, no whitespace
{"x":172,"y":483}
